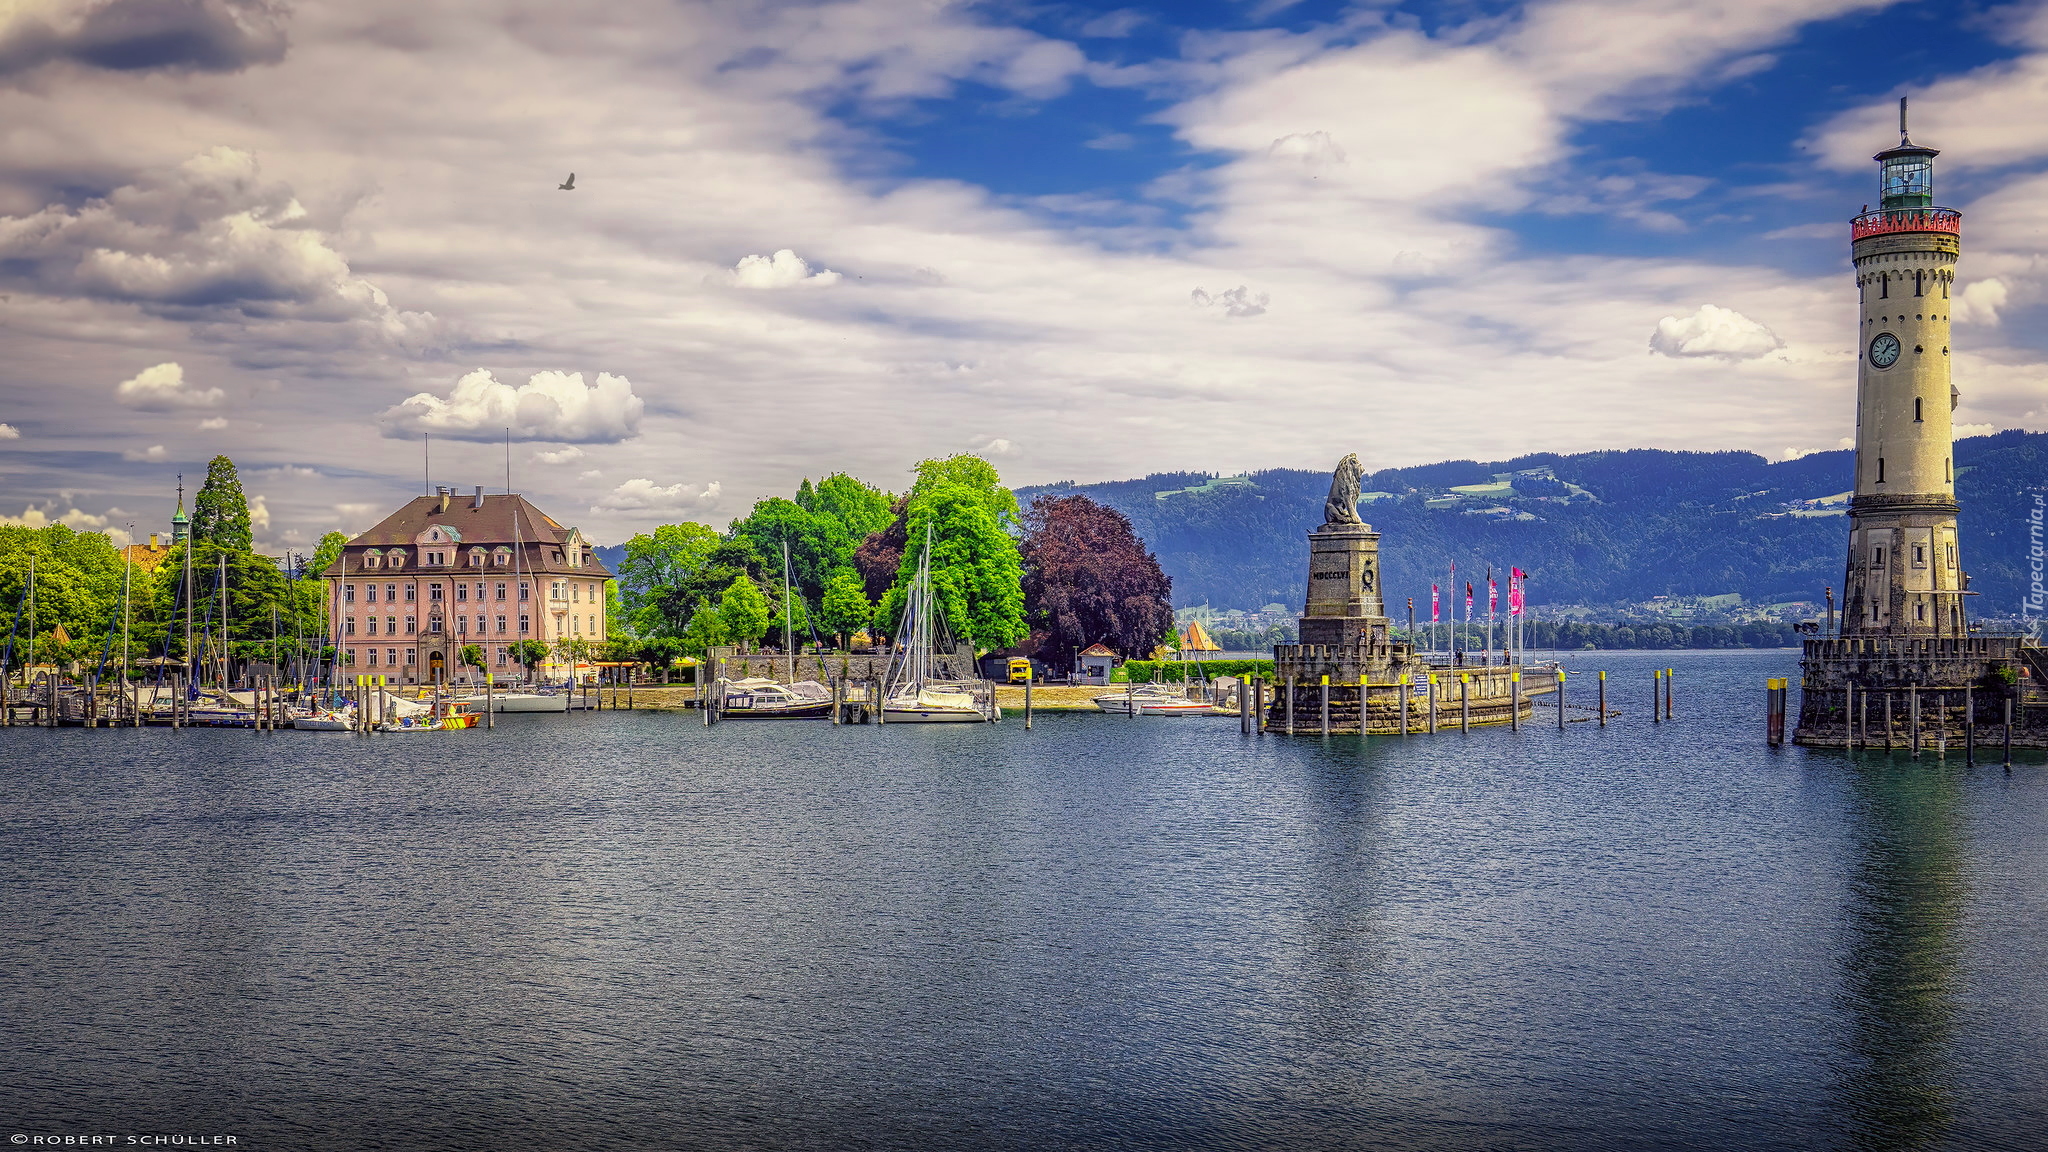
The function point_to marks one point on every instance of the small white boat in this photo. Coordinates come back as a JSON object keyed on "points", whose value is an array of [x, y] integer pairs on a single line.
{"points": [[760, 699], [1152, 702], [935, 703], [324, 720]]}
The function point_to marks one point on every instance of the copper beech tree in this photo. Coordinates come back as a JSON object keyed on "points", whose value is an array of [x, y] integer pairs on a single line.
{"points": [[1088, 579]]}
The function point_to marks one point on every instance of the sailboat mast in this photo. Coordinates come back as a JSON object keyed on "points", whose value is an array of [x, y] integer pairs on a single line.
{"points": [[31, 612], [127, 578], [221, 590], [788, 615]]}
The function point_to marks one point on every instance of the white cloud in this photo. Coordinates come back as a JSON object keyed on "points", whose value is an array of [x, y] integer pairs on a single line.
{"points": [[152, 454], [1238, 301], [558, 455], [354, 518], [9, 432], [33, 517], [643, 495], [1979, 302], [1714, 331], [213, 424], [993, 446], [785, 269], [1962, 430], [163, 388], [286, 471], [259, 514], [549, 406], [1309, 149]]}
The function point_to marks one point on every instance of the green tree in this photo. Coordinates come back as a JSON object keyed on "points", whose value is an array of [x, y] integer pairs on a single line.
{"points": [[472, 655], [846, 608], [859, 509], [728, 560], [743, 611], [972, 473], [529, 654], [799, 617], [657, 563], [814, 542], [220, 513], [977, 577], [326, 553], [705, 631]]}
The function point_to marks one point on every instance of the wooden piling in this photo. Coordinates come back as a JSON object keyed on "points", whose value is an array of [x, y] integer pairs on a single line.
{"points": [[1969, 725], [1774, 712], [1290, 705], [1560, 699], [1656, 696], [2008, 733], [1913, 719], [1887, 721], [1464, 702], [1670, 674], [1603, 699], [1431, 692], [1406, 683], [1326, 708], [1515, 701]]}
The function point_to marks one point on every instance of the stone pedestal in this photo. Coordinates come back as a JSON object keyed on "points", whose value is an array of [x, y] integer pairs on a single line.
{"points": [[1343, 604]]}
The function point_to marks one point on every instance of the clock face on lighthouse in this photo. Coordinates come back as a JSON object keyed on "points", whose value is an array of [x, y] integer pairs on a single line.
{"points": [[1884, 351]]}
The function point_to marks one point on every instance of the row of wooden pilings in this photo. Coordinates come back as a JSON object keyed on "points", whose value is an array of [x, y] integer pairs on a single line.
{"points": [[1252, 703], [1856, 718]]}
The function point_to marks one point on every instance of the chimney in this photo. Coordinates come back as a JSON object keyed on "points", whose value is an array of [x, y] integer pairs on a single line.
{"points": [[445, 492], [478, 503]]}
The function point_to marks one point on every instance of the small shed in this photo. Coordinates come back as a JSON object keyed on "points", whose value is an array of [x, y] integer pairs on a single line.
{"points": [[1092, 664]]}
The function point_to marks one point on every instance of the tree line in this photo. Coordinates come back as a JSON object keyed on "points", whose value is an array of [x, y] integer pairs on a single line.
{"points": [[1051, 579]]}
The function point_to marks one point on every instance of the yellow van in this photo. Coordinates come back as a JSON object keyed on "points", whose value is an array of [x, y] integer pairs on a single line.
{"points": [[1020, 669]]}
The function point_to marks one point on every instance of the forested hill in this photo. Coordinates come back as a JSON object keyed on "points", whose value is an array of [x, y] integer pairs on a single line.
{"points": [[1593, 528]]}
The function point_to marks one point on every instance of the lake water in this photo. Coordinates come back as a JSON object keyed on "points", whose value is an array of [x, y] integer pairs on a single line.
{"points": [[629, 931]]}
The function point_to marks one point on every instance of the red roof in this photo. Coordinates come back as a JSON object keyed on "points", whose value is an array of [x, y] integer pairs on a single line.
{"points": [[539, 538]]}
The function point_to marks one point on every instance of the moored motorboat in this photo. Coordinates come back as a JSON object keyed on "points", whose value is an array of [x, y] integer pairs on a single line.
{"points": [[761, 699], [1150, 701]]}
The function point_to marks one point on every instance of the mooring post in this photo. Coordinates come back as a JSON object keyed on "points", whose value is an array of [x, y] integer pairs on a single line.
{"points": [[1430, 690], [1913, 719], [1404, 682], [1656, 696], [1464, 702], [1244, 706], [1887, 721], [1028, 678], [1515, 701], [1863, 721], [2008, 734], [1670, 674], [1560, 699], [1969, 725], [1603, 699], [1290, 706], [1364, 684], [1326, 707], [1774, 712], [1849, 715]]}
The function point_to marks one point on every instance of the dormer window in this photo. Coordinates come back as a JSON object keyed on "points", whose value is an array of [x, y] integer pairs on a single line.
{"points": [[502, 557], [395, 558], [476, 557], [373, 559]]}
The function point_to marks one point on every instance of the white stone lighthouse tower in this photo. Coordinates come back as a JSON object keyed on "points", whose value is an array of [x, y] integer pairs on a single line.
{"points": [[1904, 575]]}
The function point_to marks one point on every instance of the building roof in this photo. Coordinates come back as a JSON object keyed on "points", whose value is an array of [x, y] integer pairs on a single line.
{"points": [[1097, 650], [538, 535], [146, 556]]}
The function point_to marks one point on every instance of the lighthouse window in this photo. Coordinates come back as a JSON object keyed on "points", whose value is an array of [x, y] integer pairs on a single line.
{"points": [[1877, 556], [1880, 469], [1920, 611], [1951, 555], [1919, 554], [1919, 284], [1916, 410], [1884, 286]]}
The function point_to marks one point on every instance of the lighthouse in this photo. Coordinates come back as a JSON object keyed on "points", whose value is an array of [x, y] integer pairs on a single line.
{"points": [[1904, 576]]}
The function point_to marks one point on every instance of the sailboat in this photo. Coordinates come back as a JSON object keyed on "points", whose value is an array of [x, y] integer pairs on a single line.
{"points": [[912, 696], [763, 699]]}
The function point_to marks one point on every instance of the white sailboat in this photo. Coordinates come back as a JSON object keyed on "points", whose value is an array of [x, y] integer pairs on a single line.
{"points": [[912, 696]]}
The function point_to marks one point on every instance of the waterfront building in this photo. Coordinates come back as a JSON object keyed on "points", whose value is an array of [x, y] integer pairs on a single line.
{"points": [[1904, 633], [441, 573]]}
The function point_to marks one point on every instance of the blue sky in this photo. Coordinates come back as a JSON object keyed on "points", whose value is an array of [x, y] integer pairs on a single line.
{"points": [[1086, 241]]}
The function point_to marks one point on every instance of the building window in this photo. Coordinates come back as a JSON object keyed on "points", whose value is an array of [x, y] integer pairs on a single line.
{"points": [[593, 628], [412, 625], [434, 624], [502, 557], [370, 593], [1880, 469], [371, 559], [348, 626], [1877, 556], [1920, 611], [575, 624], [391, 592], [576, 593], [502, 654], [461, 591], [1916, 410], [501, 625], [462, 625], [434, 592], [558, 592], [394, 559], [1884, 286], [373, 657], [348, 593], [525, 624], [412, 592], [412, 656], [1920, 555], [1951, 555], [371, 621], [525, 591], [391, 657], [391, 625], [501, 591]]}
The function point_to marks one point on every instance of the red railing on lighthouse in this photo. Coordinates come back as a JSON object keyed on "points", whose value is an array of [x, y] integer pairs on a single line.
{"points": [[1906, 220]]}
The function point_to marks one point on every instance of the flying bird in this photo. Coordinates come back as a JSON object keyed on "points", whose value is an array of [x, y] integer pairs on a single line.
{"points": [[568, 185]]}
